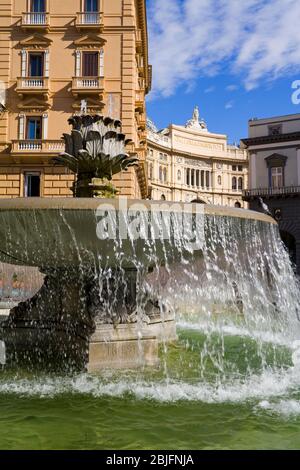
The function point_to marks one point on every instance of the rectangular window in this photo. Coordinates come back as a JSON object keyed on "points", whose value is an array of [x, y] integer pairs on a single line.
{"points": [[34, 128], [233, 167], [240, 168], [277, 177], [38, 6], [91, 6], [32, 187], [90, 64], [36, 65]]}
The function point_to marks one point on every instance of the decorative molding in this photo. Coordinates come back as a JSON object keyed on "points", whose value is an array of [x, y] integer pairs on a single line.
{"points": [[276, 160], [36, 41], [90, 40], [33, 105]]}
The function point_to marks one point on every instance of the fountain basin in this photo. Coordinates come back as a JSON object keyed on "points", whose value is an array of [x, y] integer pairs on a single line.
{"points": [[63, 232], [68, 316]]}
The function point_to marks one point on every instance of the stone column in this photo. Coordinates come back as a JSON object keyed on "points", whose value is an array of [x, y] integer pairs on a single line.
{"points": [[21, 126], [101, 63], [202, 179], [253, 179], [24, 62]]}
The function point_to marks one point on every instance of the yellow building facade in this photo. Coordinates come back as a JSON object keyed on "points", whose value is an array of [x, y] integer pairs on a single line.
{"points": [[54, 56], [187, 163]]}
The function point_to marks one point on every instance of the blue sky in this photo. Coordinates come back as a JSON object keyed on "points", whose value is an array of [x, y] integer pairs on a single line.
{"points": [[234, 59]]}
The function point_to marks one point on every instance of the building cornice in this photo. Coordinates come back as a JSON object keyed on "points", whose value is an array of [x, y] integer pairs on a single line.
{"points": [[197, 133], [142, 16], [271, 139], [181, 153]]}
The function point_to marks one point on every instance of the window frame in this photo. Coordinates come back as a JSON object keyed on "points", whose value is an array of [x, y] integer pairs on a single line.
{"points": [[34, 53], [277, 176], [30, 6], [83, 54], [84, 10], [28, 118], [26, 174]]}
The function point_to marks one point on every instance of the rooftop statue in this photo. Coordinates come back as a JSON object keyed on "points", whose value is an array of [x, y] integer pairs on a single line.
{"points": [[196, 122], [196, 114]]}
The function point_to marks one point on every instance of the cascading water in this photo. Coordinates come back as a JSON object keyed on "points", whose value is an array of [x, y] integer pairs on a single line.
{"points": [[236, 303]]}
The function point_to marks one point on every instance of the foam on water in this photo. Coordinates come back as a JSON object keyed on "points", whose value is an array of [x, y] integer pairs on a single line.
{"points": [[269, 384], [242, 285], [285, 408]]}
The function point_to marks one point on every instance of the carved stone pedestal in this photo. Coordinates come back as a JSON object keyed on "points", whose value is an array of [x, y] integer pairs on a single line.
{"points": [[81, 320]]}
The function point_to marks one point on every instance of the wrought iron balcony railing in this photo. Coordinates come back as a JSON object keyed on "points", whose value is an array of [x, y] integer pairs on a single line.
{"points": [[272, 192]]}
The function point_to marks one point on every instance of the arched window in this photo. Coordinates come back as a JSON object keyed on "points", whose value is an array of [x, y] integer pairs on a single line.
{"points": [[237, 205], [179, 175], [240, 184], [165, 175], [234, 183], [219, 180], [163, 197], [151, 171], [160, 174]]}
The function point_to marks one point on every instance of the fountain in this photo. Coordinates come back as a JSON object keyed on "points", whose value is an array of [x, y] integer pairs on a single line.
{"points": [[104, 302]]}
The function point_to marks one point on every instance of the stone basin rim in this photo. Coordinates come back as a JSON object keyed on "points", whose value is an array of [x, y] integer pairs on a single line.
{"points": [[23, 204]]}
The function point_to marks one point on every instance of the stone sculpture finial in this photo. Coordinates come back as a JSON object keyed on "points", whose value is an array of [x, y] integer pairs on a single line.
{"points": [[196, 114], [196, 122]]}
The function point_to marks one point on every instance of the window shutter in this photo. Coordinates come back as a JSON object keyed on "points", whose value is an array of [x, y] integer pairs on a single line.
{"points": [[90, 64]]}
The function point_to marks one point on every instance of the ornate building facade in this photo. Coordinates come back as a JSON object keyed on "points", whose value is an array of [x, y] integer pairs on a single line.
{"points": [[274, 148], [53, 56], [187, 163]]}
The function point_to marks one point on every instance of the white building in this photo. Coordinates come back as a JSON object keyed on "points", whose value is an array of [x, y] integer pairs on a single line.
{"points": [[187, 163]]}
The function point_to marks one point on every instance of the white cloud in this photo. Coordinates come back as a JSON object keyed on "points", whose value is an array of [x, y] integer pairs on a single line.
{"points": [[210, 89], [231, 88], [257, 39], [229, 105]]}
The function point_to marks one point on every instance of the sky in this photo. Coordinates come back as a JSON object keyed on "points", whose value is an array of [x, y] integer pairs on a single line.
{"points": [[235, 59]]}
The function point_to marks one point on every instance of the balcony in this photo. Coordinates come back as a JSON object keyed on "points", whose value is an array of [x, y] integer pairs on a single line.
{"points": [[139, 41], [35, 21], [33, 86], [89, 20], [140, 102], [87, 86], [37, 146], [288, 191]]}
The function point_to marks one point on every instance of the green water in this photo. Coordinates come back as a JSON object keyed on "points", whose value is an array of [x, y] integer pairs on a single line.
{"points": [[210, 392]]}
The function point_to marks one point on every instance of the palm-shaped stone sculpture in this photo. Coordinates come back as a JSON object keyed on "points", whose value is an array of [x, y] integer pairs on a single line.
{"points": [[95, 151]]}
